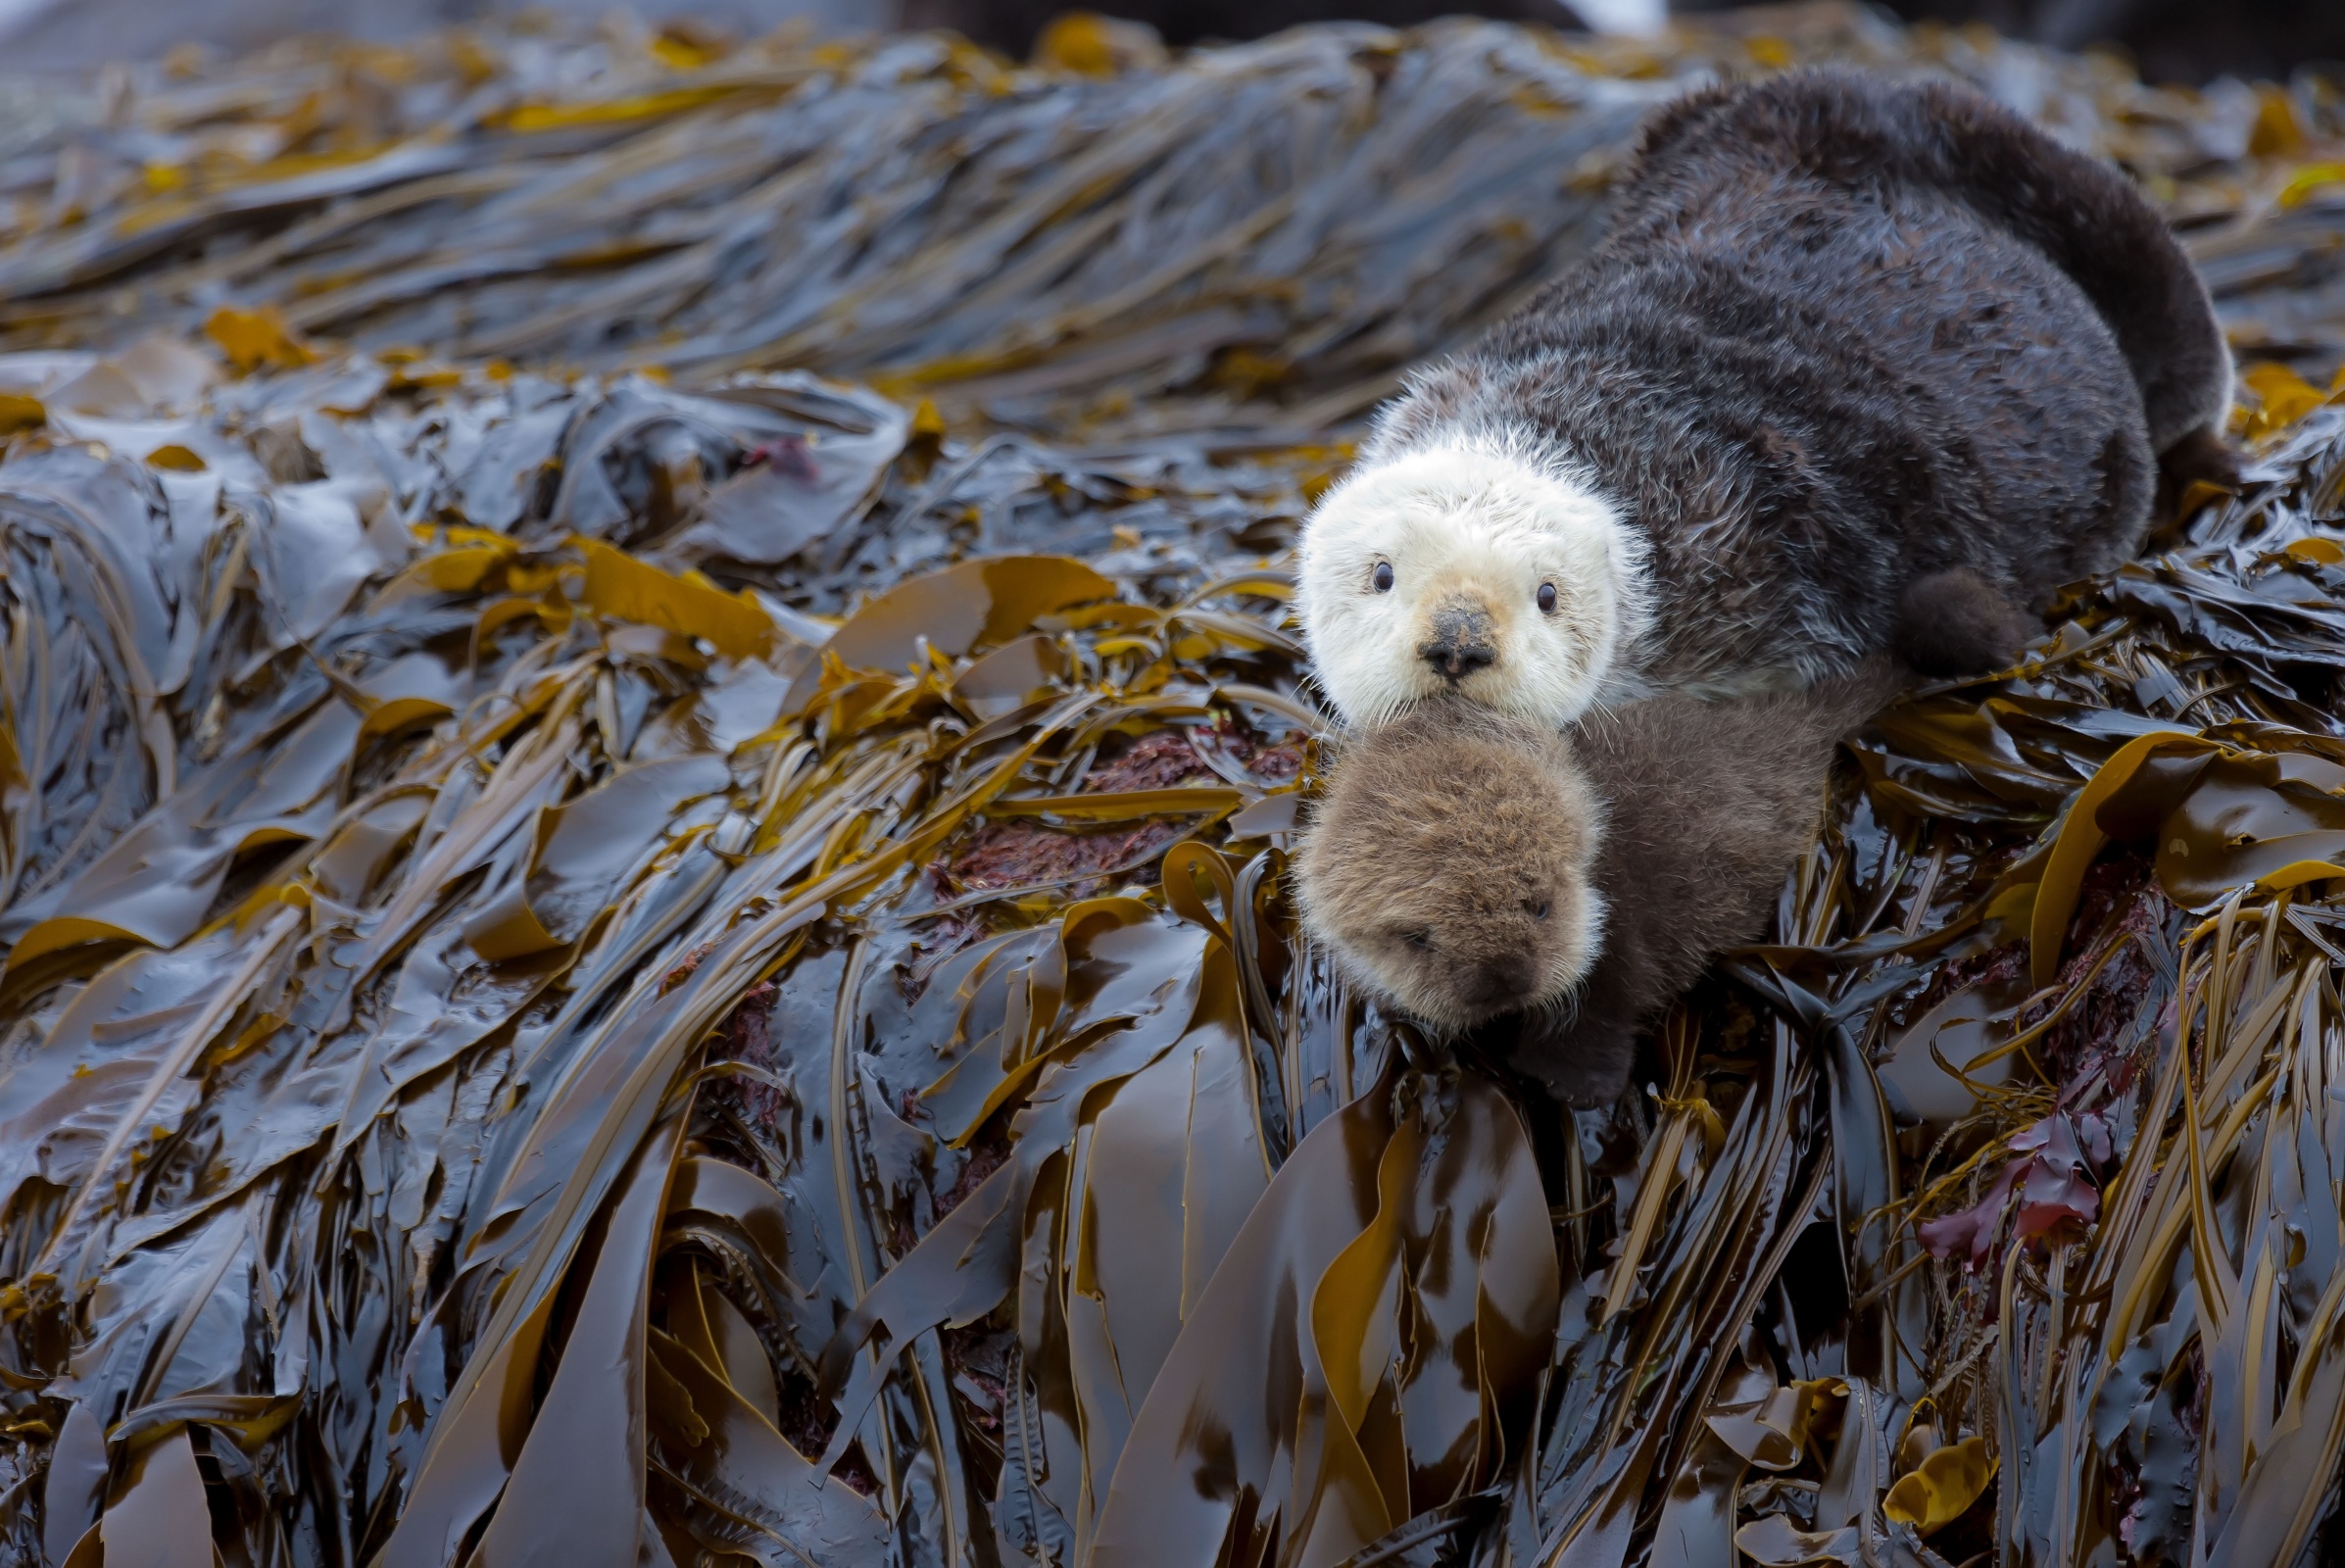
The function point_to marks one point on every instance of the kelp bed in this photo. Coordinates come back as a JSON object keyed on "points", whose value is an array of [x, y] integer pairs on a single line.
{"points": [[617, 954]]}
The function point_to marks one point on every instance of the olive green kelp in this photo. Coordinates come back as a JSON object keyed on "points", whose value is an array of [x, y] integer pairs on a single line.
{"points": [[630, 955]]}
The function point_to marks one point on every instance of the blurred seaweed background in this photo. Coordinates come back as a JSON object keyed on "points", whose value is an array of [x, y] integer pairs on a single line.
{"points": [[650, 744]]}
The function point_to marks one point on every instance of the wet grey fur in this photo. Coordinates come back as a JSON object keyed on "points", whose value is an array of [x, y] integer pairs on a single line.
{"points": [[1872, 366]]}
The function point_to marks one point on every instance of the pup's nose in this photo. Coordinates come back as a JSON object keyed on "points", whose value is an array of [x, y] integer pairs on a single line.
{"points": [[1502, 981], [1461, 643]]}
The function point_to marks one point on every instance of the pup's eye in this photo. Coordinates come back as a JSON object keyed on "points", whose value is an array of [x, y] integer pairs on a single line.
{"points": [[1546, 597], [1537, 908], [1382, 576], [1422, 941]]}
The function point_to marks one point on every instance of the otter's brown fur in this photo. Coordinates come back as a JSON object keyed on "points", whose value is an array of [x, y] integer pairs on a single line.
{"points": [[1448, 864], [1707, 807]]}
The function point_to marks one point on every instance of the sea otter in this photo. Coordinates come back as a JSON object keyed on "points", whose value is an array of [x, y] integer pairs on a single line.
{"points": [[1857, 366], [1466, 865]]}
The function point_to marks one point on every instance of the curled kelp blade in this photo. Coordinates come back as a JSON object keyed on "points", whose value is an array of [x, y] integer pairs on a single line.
{"points": [[1387, 1306]]}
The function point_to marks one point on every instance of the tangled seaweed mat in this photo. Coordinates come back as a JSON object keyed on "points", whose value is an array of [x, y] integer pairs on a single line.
{"points": [[1261, 236], [605, 974]]}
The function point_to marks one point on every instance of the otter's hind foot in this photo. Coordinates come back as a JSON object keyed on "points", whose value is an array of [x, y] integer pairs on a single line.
{"points": [[1956, 622], [2202, 457]]}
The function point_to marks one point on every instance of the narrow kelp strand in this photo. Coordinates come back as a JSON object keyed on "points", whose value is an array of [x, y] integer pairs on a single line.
{"points": [[275, 933]]}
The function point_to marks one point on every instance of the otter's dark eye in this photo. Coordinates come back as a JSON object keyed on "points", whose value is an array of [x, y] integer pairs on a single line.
{"points": [[1422, 941], [1382, 576], [1546, 597], [1538, 909]]}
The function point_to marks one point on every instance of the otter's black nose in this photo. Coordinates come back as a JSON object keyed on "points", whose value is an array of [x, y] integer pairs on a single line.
{"points": [[1461, 644]]}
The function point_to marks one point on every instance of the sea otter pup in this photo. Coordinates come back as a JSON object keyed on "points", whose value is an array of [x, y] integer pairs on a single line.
{"points": [[1857, 367], [1466, 865], [1450, 864]]}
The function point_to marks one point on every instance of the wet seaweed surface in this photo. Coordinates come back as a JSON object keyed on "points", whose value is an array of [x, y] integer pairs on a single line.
{"points": [[620, 949]]}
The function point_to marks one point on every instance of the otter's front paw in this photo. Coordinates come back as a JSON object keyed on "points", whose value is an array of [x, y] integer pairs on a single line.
{"points": [[1582, 1061]]}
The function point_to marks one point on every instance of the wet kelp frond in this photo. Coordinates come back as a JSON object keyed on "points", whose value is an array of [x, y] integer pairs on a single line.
{"points": [[1277, 230], [620, 967]]}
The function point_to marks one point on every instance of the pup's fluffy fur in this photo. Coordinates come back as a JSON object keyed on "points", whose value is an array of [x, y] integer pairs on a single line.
{"points": [[1449, 864], [1654, 837], [1856, 367]]}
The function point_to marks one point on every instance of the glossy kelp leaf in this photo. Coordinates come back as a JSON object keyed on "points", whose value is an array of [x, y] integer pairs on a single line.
{"points": [[2278, 1505], [155, 1090], [315, 545], [1770, 1425], [1698, 1518], [584, 848], [2081, 838], [575, 1493], [74, 1491], [713, 1444], [1249, 1482], [484, 1437], [1294, 1473], [717, 1205], [988, 1006], [1936, 1068], [59, 1107], [250, 1419], [1942, 1487], [1136, 990], [156, 1516], [1774, 1540], [612, 1101], [1167, 1165], [823, 452], [626, 589], [1011, 677], [159, 881], [479, 1432], [977, 603]]}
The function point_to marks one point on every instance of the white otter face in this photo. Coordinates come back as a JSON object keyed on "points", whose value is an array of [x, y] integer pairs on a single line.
{"points": [[1459, 568]]}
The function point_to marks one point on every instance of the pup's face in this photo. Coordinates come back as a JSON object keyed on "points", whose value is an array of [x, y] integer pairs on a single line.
{"points": [[1449, 865], [1454, 570]]}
